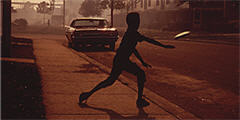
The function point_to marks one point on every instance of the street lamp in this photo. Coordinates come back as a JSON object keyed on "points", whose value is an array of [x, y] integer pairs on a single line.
{"points": [[63, 13]]}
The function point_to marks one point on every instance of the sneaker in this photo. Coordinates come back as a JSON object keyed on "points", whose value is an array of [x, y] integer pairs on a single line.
{"points": [[142, 103]]}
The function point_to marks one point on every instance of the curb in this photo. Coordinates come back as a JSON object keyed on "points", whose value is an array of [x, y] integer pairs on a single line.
{"points": [[161, 102], [202, 41], [197, 38], [210, 41]]}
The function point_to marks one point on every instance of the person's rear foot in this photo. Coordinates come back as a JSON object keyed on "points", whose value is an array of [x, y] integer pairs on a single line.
{"points": [[142, 103]]}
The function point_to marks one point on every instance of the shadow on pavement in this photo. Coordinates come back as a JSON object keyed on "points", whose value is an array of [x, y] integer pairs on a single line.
{"points": [[92, 49], [21, 83], [114, 115]]}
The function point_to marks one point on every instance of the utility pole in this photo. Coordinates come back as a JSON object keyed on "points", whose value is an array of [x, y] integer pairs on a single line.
{"points": [[64, 12], [127, 7], [224, 9], [6, 27], [112, 7]]}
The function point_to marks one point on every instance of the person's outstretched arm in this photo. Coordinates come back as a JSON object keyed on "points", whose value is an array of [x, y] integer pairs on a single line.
{"points": [[154, 42], [140, 58]]}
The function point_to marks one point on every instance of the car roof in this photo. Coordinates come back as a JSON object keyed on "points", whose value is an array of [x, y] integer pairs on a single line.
{"points": [[90, 18]]}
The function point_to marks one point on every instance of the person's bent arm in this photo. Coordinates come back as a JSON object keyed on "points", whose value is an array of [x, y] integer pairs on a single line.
{"points": [[154, 42], [140, 58]]}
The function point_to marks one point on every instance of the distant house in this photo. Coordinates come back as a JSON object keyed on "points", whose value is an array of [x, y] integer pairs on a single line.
{"points": [[157, 14], [144, 5], [203, 15], [209, 15], [55, 18]]}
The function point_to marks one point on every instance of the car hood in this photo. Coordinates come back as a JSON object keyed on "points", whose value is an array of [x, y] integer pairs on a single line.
{"points": [[96, 29]]}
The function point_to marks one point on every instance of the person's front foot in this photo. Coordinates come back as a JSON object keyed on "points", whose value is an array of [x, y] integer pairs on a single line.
{"points": [[83, 97], [142, 103]]}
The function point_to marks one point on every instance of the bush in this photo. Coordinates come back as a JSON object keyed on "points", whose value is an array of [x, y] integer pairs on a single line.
{"points": [[20, 23]]}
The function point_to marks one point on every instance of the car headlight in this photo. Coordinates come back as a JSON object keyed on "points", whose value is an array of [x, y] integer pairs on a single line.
{"points": [[76, 34], [113, 33], [73, 36]]}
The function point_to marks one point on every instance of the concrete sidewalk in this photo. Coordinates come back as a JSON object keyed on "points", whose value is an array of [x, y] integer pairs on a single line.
{"points": [[65, 74]]}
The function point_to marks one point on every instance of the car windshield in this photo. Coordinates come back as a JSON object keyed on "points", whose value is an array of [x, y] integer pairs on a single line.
{"points": [[90, 23]]}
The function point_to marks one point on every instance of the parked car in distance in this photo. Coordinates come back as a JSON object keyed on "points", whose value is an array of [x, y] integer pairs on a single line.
{"points": [[91, 31]]}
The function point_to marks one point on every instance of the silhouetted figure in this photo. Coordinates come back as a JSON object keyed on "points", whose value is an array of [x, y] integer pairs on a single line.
{"points": [[121, 60]]}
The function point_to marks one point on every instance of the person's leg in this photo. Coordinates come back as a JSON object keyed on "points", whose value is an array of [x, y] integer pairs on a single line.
{"points": [[134, 69], [141, 80], [108, 82], [116, 71]]}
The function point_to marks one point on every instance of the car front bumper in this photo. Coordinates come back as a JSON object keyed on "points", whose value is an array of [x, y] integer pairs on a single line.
{"points": [[94, 40]]}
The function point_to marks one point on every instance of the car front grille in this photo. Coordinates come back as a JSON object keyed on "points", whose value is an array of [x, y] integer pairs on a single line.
{"points": [[94, 34]]}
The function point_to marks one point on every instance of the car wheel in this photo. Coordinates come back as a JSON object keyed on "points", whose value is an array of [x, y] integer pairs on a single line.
{"points": [[112, 46], [74, 45], [69, 45]]}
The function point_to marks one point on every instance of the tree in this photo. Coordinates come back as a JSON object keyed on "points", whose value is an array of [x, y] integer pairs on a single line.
{"points": [[20, 23], [52, 5], [97, 6], [27, 5], [180, 2], [113, 4], [90, 8], [13, 10], [118, 4], [44, 8], [131, 4]]}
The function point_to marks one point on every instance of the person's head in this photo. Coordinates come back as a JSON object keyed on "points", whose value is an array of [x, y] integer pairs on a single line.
{"points": [[133, 20]]}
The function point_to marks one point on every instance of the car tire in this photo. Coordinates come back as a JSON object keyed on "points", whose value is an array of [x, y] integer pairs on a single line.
{"points": [[112, 46], [75, 46], [70, 45]]}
